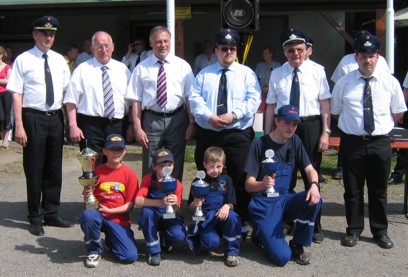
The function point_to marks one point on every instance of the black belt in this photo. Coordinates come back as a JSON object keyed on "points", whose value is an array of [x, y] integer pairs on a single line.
{"points": [[100, 118], [309, 118], [48, 113], [365, 137], [179, 109]]}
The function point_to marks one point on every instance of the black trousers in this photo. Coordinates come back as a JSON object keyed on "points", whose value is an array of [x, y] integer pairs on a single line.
{"points": [[366, 161], [42, 161], [95, 130], [236, 144], [309, 132], [6, 100]]}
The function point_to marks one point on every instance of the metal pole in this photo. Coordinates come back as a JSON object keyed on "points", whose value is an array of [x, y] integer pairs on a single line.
{"points": [[389, 35], [171, 22]]}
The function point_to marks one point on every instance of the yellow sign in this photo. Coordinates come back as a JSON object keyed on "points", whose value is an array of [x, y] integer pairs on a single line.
{"points": [[183, 12]]}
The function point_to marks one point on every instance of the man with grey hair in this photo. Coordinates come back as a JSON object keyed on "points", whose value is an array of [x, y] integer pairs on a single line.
{"points": [[159, 88]]}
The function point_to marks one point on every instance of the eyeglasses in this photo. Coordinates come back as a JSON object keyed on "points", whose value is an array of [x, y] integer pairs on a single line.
{"points": [[137, 44], [293, 50], [231, 49], [100, 47]]}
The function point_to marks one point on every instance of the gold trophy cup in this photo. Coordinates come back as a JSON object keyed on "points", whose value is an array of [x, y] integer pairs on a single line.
{"points": [[87, 158]]}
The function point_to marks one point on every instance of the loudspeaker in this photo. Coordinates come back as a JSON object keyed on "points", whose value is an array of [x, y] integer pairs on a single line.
{"points": [[241, 15]]}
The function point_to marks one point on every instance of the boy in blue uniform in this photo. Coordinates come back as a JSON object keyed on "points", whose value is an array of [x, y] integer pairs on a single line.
{"points": [[268, 213], [115, 191], [218, 208], [153, 202]]}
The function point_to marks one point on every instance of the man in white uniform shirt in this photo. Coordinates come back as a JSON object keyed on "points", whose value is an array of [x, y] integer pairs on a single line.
{"points": [[85, 99], [368, 102], [38, 81], [135, 54]]}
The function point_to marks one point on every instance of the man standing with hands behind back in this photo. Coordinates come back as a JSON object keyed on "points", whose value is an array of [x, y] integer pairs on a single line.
{"points": [[38, 81], [368, 102], [224, 98], [159, 89]]}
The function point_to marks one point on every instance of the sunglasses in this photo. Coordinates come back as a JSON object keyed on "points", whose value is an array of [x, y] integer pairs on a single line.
{"points": [[231, 49]]}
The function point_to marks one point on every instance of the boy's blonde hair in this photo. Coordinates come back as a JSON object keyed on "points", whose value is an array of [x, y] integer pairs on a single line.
{"points": [[214, 154]]}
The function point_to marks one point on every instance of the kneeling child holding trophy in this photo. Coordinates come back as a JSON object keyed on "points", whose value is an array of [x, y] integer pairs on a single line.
{"points": [[160, 197], [115, 191], [216, 218]]}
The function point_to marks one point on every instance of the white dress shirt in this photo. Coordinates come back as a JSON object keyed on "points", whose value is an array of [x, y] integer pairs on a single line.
{"points": [[143, 83], [86, 92], [347, 101], [28, 78], [131, 61], [313, 87]]}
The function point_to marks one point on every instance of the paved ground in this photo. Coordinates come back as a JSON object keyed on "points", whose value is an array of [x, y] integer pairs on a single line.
{"points": [[61, 251]]}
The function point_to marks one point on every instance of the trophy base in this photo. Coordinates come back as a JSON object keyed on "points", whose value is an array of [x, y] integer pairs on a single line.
{"points": [[198, 218], [169, 216], [272, 194], [91, 206]]}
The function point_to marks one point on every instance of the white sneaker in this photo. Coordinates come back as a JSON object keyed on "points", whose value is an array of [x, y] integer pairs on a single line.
{"points": [[232, 261], [92, 260]]}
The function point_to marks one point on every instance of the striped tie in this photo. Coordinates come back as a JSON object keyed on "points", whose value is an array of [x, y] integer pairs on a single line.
{"points": [[161, 86], [369, 126], [107, 94]]}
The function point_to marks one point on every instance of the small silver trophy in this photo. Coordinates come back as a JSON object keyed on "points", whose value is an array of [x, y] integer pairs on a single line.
{"points": [[87, 157], [270, 167], [200, 189], [168, 185]]}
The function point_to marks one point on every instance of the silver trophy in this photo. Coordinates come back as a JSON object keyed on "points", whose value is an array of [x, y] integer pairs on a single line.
{"points": [[270, 166], [87, 157], [168, 185], [200, 189]]}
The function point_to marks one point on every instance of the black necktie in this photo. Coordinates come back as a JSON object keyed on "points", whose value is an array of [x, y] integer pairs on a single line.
{"points": [[222, 94], [368, 107], [295, 90], [138, 59], [48, 83]]}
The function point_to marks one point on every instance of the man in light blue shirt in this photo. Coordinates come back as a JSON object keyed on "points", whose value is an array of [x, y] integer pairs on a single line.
{"points": [[224, 111]]}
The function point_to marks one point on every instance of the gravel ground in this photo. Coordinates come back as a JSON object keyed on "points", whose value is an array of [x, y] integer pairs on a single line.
{"points": [[61, 251]]}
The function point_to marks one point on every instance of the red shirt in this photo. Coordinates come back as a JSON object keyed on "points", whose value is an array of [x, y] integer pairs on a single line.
{"points": [[146, 183], [115, 188]]}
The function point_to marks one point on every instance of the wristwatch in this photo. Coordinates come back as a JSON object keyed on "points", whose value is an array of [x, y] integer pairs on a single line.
{"points": [[327, 130], [234, 117]]}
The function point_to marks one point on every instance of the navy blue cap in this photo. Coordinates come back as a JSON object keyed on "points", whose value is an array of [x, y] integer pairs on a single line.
{"points": [[162, 155], [292, 35], [309, 40], [288, 113], [114, 140], [366, 43], [46, 23], [227, 36]]}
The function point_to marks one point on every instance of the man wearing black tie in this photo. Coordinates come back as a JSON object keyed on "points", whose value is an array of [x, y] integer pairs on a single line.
{"points": [[368, 102], [135, 54], [38, 80]]}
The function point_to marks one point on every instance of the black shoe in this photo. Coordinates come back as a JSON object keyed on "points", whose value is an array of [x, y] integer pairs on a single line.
{"points": [[394, 181], [383, 242], [318, 237], [299, 254], [350, 240], [255, 241], [287, 228], [36, 229], [338, 175], [58, 222], [321, 179]]}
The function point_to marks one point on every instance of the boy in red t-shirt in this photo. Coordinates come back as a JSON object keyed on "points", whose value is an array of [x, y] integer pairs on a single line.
{"points": [[153, 202], [115, 191]]}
